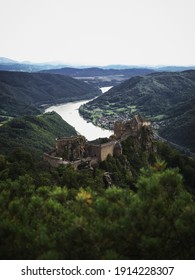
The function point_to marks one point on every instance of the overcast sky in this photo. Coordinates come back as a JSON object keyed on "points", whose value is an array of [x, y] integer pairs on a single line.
{"points": [[99, 32]]}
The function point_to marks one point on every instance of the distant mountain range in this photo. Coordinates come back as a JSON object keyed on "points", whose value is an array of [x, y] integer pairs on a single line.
{"points": [[22, 93], [168, 98], [96, 71], [174, 68], [7, 64], [5, 60], [100, 77]]}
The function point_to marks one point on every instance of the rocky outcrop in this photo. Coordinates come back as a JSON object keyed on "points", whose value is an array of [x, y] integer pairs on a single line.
{"points": [[138, 132]]}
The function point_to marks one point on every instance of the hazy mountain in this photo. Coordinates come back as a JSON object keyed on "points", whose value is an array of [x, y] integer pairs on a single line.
{"points": [[99, 76], [7, 64], [5, 60], [96, 71], [26, 67], [167, 98], [120, 66], [22, 93], [174, 68]]}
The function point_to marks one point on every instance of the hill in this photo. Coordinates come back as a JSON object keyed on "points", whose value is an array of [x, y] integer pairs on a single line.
{"points": [[174, 68], [6, 61], [35, 134], [61, 213], [167, 98], [101, 76], [21, 93], [96, 71], [180, 125]]}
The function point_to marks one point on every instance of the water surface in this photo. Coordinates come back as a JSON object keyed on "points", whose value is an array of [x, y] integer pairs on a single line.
{"points": [[69, 112]]}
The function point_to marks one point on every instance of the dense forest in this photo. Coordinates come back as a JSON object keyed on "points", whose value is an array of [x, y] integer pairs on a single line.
{"points": [[62, 213]]}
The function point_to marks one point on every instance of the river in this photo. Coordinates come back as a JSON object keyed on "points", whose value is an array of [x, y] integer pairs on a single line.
{"points": [[70, 113]]}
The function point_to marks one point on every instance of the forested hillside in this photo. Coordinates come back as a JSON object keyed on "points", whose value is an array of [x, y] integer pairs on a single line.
{"points": [[35, 134], [21, 93], [61, 213], [168, 99]]}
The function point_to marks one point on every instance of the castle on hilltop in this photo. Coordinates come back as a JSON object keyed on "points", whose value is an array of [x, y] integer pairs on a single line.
{"points": [[123, 130], [78, 152]]}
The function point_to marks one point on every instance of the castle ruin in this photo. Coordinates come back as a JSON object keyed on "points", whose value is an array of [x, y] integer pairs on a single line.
{"points": [[77, 151], [123, 130]]}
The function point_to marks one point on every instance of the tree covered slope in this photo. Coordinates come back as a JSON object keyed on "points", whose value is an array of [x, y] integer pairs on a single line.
{"points": [[21, 93], [167, 98], [152, 94], [33, 133], [62, 213]]}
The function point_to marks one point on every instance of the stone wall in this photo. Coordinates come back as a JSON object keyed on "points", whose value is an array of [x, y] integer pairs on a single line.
{"points": [[100, 151], [71, 148], [93, 150], [107, 149], [54, 161]]}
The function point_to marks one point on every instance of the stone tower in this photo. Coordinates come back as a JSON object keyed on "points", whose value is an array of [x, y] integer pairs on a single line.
{"points": [[71, 148], [118, 129], [128, 128]]}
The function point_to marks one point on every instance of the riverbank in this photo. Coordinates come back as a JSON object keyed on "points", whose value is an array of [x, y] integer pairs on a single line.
{"points": [[70, 113]]}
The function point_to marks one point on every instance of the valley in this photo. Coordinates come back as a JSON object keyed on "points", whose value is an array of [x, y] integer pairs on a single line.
{"points": [[167, 99], [70, 113], [23, 93], [62, 195]]}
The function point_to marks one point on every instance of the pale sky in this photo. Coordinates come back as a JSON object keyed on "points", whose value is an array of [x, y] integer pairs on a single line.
{"points": [[99, 32]]}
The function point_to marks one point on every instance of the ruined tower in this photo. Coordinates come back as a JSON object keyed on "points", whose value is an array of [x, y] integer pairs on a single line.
{"points": [[71, 148], [128, 128]]}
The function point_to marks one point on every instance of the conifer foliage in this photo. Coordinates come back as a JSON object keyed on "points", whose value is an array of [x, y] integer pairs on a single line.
{"points": [[62, 213]]}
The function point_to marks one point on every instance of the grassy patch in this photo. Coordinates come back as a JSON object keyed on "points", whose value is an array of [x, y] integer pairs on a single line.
{"points": [[121, 110], [159, 117], [132, 108]]}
